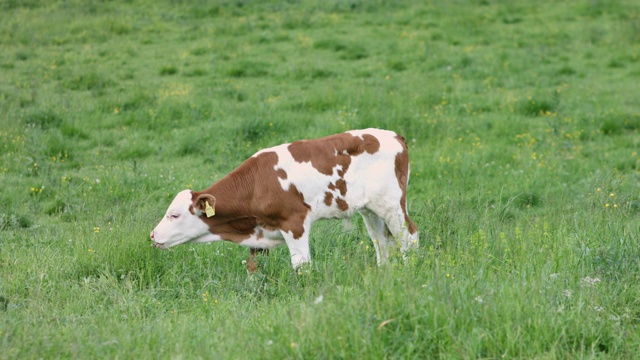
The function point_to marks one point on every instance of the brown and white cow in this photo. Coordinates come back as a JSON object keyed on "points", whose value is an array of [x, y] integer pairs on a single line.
{"points": [[275, 196]]}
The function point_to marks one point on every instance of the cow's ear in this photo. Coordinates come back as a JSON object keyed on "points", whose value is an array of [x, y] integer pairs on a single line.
{"points": [[205, 204]]}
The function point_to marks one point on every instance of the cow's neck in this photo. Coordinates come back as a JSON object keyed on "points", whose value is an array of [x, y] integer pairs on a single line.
{"points": [[233, 193]]}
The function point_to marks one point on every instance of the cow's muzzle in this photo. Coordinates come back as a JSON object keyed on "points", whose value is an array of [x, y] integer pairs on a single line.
{"points": [[156, 244]]}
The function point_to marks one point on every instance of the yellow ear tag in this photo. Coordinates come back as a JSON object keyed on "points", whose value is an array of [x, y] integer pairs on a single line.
{"points": [[209, 210]]}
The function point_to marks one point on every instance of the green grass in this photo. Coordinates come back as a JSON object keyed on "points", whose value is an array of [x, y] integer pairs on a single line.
{"points": [[523, 124]]}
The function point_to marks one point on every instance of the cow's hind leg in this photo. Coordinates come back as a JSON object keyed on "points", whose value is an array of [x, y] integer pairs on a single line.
{"points": [[379, 234], [403, 229]]}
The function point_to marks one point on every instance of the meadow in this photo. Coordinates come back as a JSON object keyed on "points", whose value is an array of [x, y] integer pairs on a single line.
{"points": [[523, 125]]}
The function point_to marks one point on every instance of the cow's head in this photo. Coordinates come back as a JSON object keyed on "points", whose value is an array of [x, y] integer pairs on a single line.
{"points": [[183, 221]]}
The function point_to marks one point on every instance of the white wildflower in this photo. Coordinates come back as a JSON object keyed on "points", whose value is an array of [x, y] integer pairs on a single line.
{"points": [[589, 281]]}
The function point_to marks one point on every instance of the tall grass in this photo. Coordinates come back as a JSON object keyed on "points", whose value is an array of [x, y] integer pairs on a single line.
{"points": [[522, 124]]}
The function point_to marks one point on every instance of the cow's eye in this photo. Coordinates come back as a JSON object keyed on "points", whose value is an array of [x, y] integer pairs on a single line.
{"points": [[174, 216]]}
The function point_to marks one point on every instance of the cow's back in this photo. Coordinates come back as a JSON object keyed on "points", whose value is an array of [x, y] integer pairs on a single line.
{"points": [[340, 174]]}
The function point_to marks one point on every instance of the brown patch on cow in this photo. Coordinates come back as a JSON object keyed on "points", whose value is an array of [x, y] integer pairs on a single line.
{"points": [[328, 198], [342, 205], [371, 143], [402, 174], [341, 185], [282, 174], [251, 195], [232, 229], [326, 153]]}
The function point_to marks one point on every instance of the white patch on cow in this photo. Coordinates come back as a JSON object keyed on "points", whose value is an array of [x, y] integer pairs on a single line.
{"points": [[387, 192], [208, 237], [372, 177], [263, 239], [310, 182], [179, 225], [299, 247]]}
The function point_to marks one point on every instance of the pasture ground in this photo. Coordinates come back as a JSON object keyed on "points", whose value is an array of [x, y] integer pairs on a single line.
{"points": [[523, 122]]}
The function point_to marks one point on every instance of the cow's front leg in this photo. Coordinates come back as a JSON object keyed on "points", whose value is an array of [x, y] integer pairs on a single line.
{"points": [[251, 265], [298, 246]]}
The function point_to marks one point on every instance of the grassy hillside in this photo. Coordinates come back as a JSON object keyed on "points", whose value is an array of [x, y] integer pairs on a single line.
{"points": [[522, 119]]}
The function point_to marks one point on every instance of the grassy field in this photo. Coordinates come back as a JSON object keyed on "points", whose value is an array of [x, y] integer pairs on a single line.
{"points": [[523, 124]]}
